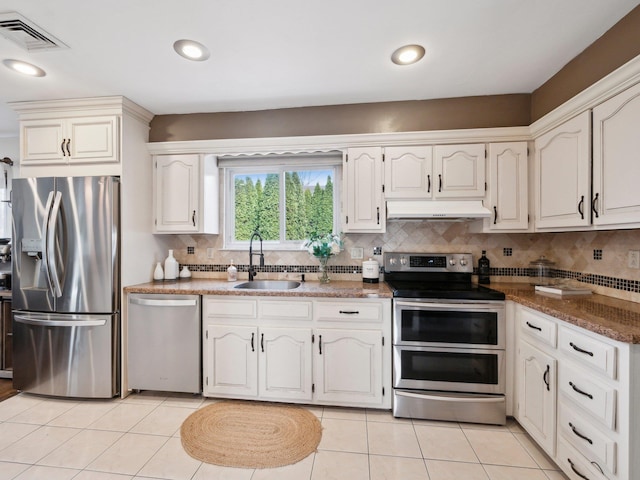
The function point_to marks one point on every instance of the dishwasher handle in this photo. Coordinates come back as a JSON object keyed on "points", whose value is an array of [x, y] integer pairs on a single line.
{"points": [[150, 302]]}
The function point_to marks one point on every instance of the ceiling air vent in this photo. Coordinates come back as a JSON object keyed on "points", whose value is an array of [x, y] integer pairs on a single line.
{"points": [[27, 34]]}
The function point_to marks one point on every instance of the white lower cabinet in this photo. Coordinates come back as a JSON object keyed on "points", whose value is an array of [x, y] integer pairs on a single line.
{"points": [[348, 366], [537, 395], [593, 421], [323, 351]]}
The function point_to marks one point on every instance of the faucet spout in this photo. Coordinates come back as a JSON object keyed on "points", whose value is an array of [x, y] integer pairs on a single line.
{"points": [[252, 269]]}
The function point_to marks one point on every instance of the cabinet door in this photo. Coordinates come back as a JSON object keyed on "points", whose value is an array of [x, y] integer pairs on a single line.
{"points": [[508, 198], [231, 361], [177, 193], [93, 139], [407, 172], [562, 175], [616, 162], [285, 363], [348, 366], [42, 142], [537, 395], [459, 171], [364, 203]]}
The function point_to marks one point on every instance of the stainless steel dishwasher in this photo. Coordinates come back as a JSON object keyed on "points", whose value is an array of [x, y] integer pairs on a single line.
{"points": [[164, 347]]}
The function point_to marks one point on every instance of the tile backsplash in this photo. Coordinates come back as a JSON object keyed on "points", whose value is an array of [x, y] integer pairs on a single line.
{"points": [[510, 253]]}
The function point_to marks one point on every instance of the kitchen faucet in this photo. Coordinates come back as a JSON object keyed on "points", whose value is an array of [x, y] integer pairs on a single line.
{"points": [[252, 270]]}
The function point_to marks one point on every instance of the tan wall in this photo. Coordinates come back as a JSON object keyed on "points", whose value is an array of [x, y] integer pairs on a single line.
{"points": [[617, 46], [411, 116]]}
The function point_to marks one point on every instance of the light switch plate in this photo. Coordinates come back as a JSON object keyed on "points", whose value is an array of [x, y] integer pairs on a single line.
{"points": [[357, 253], [209, 252]]}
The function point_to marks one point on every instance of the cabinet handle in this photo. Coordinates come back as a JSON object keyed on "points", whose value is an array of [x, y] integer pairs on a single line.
{"points": [[349, 312], [534, 327], [428, 183], [545, 377], [262, 342], [581, 392], [594, 204], [68, 149], [252, 347], [573, 467], [378, 215], [62, 148], [193, 218], [578, 434], [578, 349], [581, 207], [495, 214], [439, 182], [320, 344]]}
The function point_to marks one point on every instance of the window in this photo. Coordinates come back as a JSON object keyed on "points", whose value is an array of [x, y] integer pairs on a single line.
{"points": [[284, 203]]}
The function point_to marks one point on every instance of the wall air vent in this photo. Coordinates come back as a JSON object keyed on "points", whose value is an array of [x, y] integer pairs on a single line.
{"points": [[27, 34]]}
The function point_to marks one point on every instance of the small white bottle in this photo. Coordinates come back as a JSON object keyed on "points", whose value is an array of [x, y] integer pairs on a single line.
{"points": [[232, 273], [185, 272], [158, 273], [170, 267]]}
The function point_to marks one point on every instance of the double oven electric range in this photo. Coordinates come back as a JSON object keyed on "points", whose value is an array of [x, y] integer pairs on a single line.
{"points": [[448, 340]]}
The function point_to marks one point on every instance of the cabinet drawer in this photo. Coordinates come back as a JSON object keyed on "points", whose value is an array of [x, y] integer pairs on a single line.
{"points": [[579, 431], [597, 398], [574, 464], [595, 354], [283, 310], [230, 308], [352, 311], [539, 327]]}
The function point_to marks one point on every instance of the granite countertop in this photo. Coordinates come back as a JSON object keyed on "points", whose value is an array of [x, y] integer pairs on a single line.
{"points": [[611, 317], [338, 289]]}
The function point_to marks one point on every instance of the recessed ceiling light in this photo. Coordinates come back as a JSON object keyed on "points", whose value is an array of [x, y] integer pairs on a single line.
{"points": [[407, 55], [191, 50], [24, 68]]}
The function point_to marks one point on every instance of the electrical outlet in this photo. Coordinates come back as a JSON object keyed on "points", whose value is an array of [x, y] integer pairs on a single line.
{"points": [[633, 260], [357, 253], [209, 252]]}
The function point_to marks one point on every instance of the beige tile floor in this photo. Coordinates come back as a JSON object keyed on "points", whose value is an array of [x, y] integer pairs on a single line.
{"points": [[138, 437]]}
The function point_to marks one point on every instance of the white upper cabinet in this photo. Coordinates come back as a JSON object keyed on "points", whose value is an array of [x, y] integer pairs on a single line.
{"points": [[186, 194], [616, 160], [459, 171], [61, 141], [363, 208], [562, 175], [508, 193], [408, 172]]}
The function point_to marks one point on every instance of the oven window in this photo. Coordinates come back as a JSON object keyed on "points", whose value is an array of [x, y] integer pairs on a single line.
{"points": [[460, 327], [450, 367]]}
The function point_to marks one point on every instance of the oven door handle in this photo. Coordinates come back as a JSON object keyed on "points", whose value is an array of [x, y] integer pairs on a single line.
{"points": [[496, 399], [474, 306]]}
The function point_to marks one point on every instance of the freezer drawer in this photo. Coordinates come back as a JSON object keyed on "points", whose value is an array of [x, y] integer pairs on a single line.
{"points": [[68, 355], [164, 347]]}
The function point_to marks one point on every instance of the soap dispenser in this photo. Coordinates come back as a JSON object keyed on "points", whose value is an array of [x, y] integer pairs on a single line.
{"points": [[232, 273]]}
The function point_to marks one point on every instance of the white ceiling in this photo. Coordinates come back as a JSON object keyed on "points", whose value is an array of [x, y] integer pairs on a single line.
{"points": [[290, 53]]}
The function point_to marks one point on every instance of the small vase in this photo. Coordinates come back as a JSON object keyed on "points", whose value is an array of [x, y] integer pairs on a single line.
{"points": [[323, 274]]}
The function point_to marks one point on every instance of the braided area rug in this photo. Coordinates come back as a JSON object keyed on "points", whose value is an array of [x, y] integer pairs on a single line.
{"points": [[250, 434]]}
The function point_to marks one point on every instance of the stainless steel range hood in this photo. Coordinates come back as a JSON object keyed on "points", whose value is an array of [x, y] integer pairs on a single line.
{"points": [[436, 209]]}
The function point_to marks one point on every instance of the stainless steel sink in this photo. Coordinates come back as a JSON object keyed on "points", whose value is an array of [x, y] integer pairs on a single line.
{"points": [[269, 285]]}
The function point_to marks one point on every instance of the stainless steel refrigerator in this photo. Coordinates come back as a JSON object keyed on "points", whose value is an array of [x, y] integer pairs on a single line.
{"points": [[66, 286]]}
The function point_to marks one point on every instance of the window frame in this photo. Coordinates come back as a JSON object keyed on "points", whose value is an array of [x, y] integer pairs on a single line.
{"points": [[265, 167]]}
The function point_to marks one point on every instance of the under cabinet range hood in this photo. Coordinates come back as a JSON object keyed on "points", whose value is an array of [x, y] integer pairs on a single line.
{"points": [[436, 210]]}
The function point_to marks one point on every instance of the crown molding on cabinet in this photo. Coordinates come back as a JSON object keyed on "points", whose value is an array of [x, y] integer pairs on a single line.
{"points": [[609, 86], [113, 105]]}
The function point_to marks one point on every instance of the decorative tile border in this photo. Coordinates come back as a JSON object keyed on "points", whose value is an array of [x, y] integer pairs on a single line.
{"points": [[589, 278]]}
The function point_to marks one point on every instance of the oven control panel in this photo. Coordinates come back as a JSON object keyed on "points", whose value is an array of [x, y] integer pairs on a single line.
{"points": [[428, 262]]}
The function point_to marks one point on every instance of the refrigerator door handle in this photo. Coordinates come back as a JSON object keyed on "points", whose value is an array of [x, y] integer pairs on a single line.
{"points": [[51, 251], [29, 320], [45, 235]]}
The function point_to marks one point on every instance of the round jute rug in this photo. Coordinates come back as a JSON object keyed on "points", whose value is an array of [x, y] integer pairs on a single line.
{"points": [[250, 434]]}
